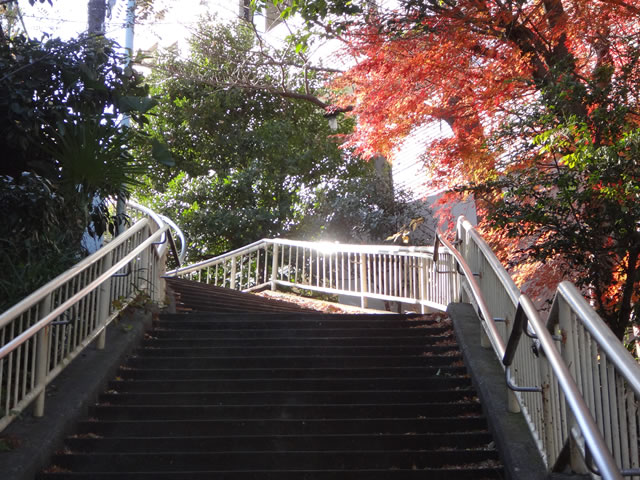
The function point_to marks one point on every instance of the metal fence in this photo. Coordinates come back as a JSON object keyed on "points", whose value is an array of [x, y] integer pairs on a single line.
{"points": [[576, 384], [407, 275], [40, 335]]}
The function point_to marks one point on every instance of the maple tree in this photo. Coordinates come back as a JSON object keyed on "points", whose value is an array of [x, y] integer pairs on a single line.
{"points": [[542, 100]]}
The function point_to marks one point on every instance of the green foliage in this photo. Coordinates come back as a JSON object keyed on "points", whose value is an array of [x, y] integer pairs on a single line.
{"points": [[47, 90], [579, 201], [39, 235], [63, 144], [358, 206], [252, 163]]}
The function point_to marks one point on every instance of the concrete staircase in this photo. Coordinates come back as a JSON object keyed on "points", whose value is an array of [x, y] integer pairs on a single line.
{"points": [[286, 395]]}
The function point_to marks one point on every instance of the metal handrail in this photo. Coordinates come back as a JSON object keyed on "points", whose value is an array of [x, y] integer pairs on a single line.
{"points": [[183, 243], [326, 246], [340, 269], [625, 364], [160, 221], [46, 320], [497, 267], [526, 314], [590, 431], [48, 288], [88, 291], [494, 336], [233, 253]]}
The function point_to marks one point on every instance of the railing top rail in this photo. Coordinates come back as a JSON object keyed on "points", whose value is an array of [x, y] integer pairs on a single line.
{"points": [[615, 351], [330, 247], [160, 221], [590, 431], [43, 322], [494, 335], [150, 213], [324, 247], [183, 242], [232, 253], [85, 263], [504, 277]]}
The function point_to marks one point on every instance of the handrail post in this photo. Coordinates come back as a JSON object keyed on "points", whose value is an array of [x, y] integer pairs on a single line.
{"points": [[232, 280], [104, 299], [159, 265], [146, 271], [422, 283], [274, 268], [363, 280], [456, 284], [42, 357], [569, 351]]}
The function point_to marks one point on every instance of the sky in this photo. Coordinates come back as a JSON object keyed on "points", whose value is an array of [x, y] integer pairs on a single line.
{"points": [[68, 18]]}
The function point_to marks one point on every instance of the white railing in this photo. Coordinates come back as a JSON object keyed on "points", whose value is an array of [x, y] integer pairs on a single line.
{"points": [[576, 384], [395, 274], [41, 334]]}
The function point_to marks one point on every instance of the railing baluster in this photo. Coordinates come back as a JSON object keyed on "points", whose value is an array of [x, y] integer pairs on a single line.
{"points": [[10, 371], [304, 265], [274, 267], [364, 275]]}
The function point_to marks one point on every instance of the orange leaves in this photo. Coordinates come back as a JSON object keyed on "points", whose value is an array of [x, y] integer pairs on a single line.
{"points": [[468, 65]]}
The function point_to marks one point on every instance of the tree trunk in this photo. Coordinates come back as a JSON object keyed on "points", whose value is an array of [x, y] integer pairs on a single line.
{"points": [[97, 12]]}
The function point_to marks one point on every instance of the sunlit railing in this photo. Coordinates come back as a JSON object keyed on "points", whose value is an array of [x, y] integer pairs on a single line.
{"points": [[576, 384], [395, 274], [41, 334]]}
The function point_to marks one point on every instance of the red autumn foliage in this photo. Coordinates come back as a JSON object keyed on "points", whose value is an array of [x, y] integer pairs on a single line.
{"points": [[467, 63], [470, 63]]}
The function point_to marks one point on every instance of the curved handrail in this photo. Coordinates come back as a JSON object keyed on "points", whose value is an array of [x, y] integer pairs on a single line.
{"points": [[160, 221], [493, 334], [178, 231], [505, 279]]}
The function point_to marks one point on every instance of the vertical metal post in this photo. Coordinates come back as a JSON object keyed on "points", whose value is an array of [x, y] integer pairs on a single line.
{"points": [[232, 280], [569, 353], [160, 268], [547, 409], [363, 280], [146, 271], [42, 357], [513, 406], [274, 268], [422, 283], [454, 280], [104, 299]]}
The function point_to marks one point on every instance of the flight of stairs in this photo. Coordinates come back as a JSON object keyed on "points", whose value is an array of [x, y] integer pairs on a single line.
{"points": [[287, 396]]}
